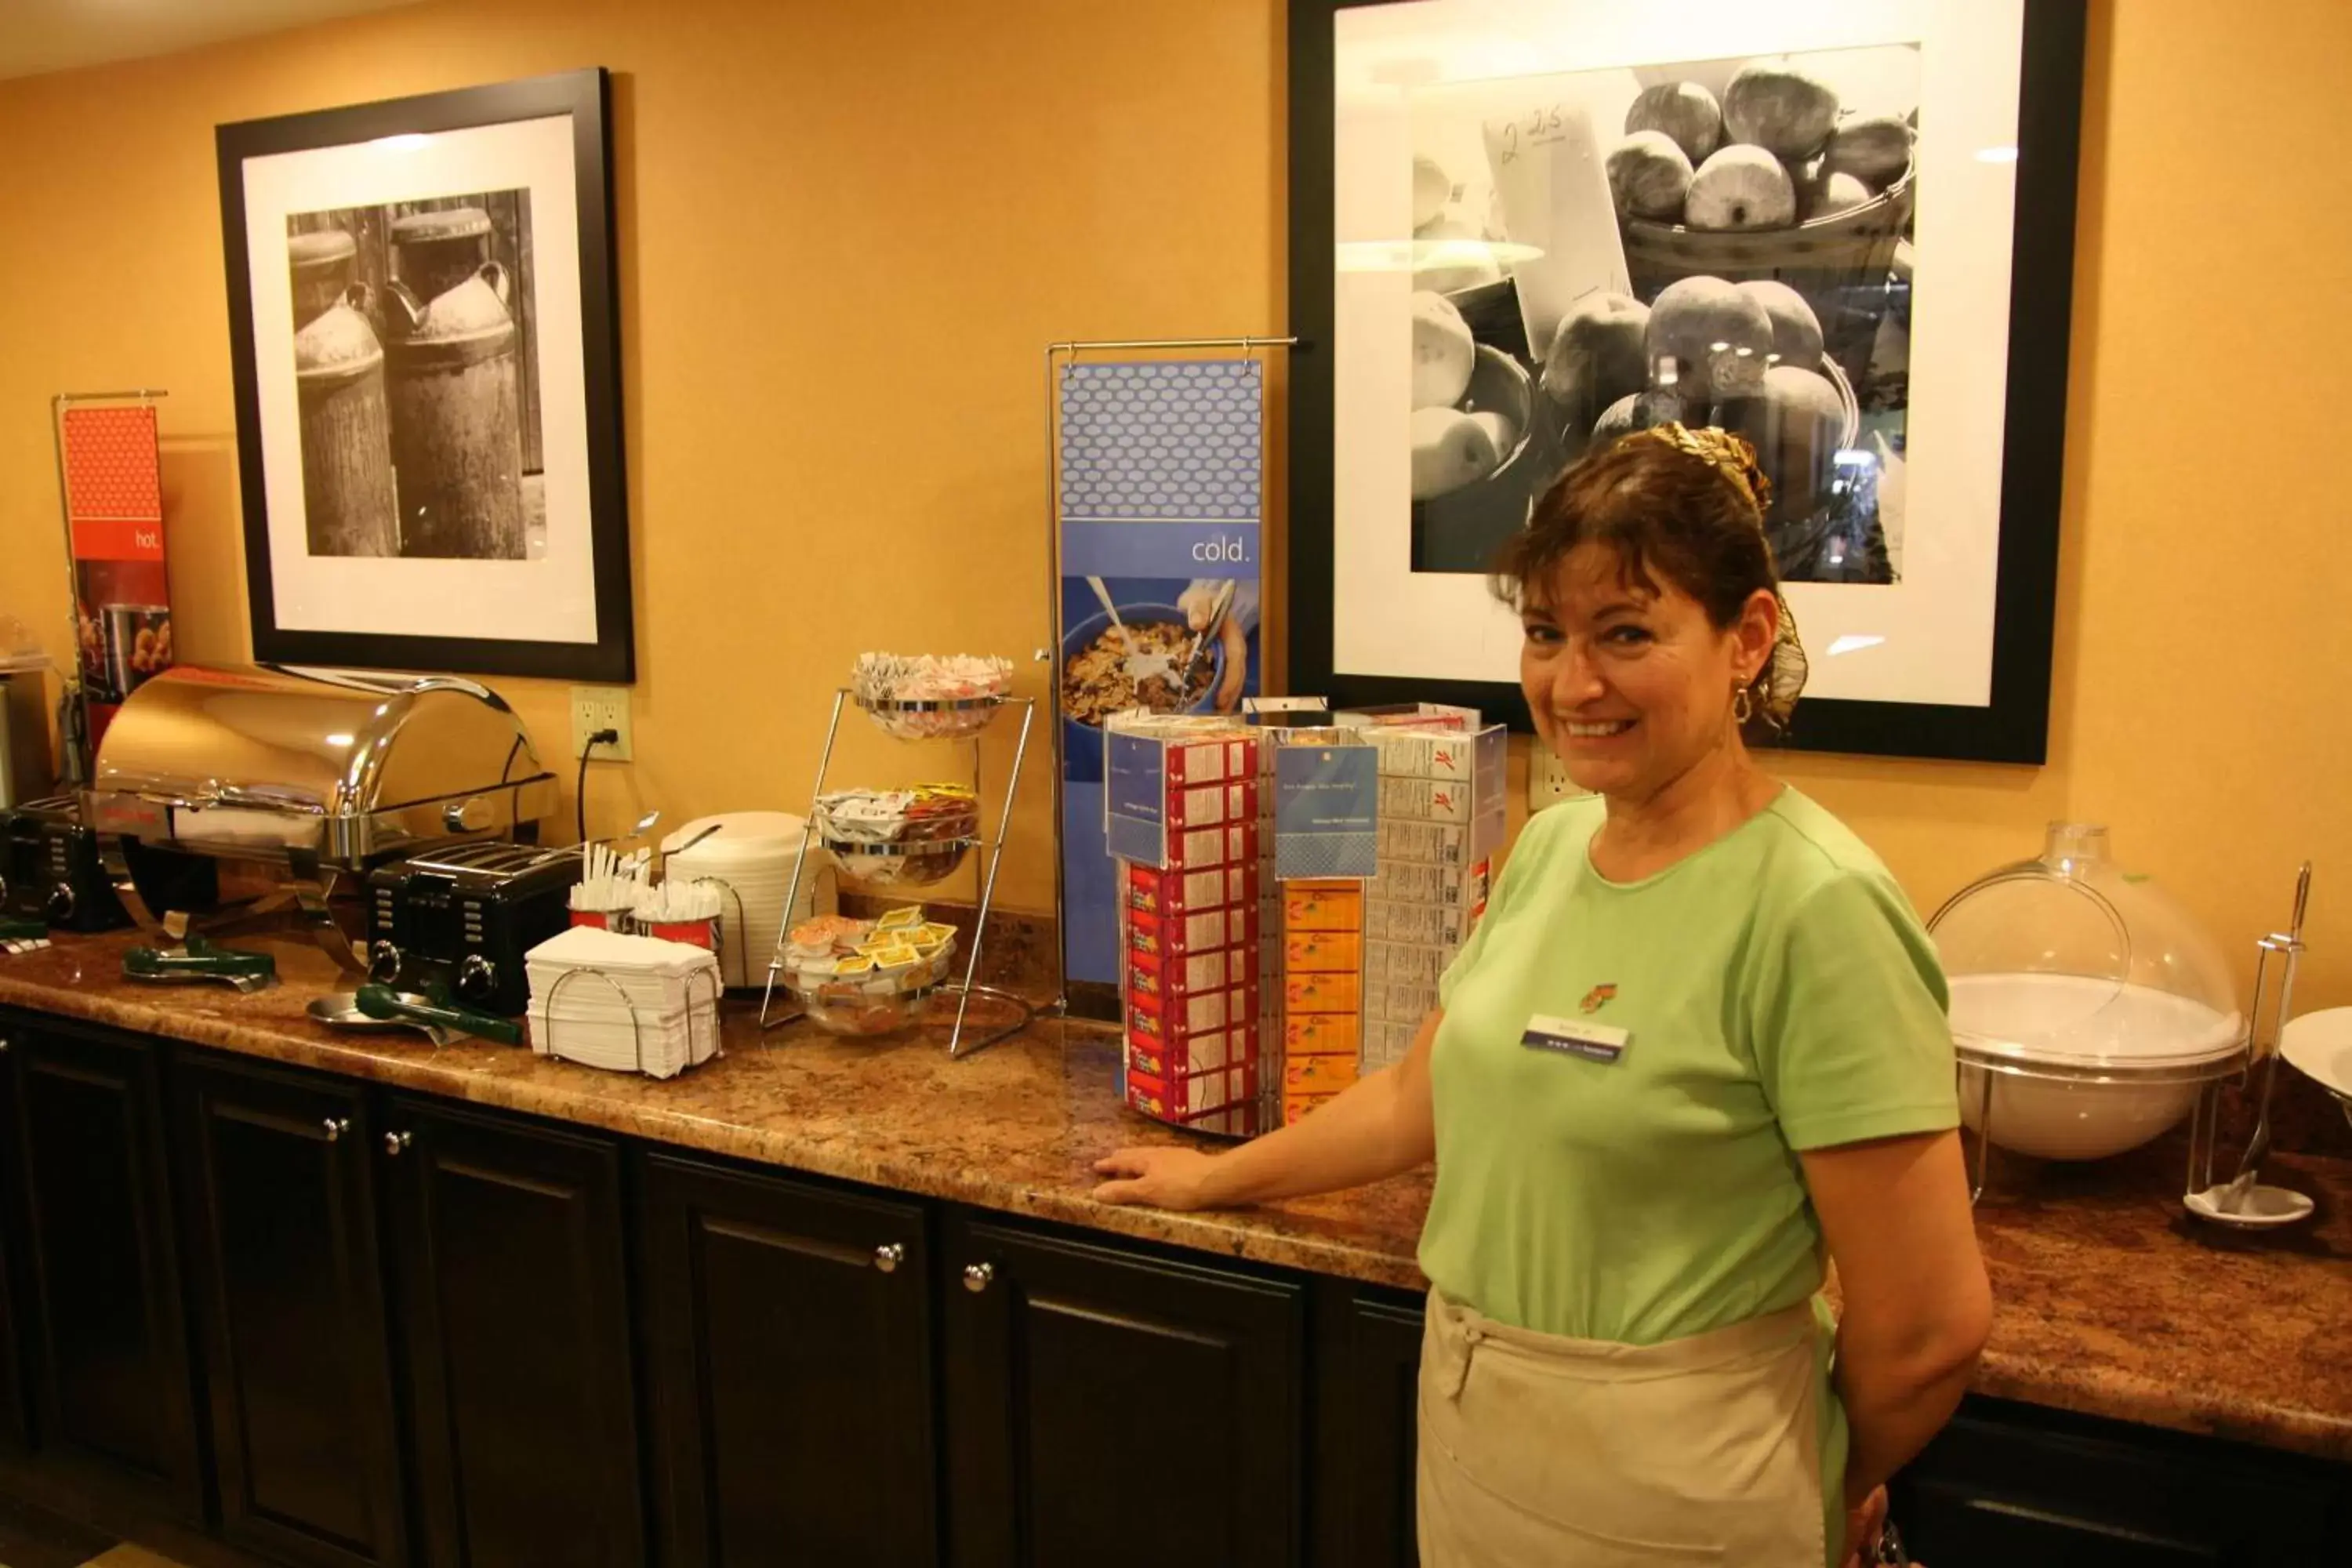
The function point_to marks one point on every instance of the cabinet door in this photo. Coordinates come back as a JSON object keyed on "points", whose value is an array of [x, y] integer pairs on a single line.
{"points": [[516, 1319], [791, 1331], [2011, 1483], [1366, 1399], [1107, 1406], [15, 1428], [284, 1262], [103, 1318]]}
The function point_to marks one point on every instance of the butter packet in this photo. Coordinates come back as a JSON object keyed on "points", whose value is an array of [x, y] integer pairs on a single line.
{"points": [[905, 920], [855, 964], [896, 955], [933, 931]]}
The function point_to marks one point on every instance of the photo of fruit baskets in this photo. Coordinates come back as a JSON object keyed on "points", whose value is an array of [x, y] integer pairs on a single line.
{"points": [[1718, 242]]}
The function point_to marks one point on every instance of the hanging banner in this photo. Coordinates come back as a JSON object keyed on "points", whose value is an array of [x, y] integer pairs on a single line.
{"points": [[114, 519], [1160, 479]]}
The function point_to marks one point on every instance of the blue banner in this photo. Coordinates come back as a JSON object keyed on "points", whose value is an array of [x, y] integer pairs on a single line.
{"points": [[1160, 470]]}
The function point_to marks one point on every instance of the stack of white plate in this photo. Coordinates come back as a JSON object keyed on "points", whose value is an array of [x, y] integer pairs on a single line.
{"points": [[752, 856], [627, 1004]]}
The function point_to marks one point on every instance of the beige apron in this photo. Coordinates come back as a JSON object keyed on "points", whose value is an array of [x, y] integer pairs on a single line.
{"points": [[1537, 1451]]}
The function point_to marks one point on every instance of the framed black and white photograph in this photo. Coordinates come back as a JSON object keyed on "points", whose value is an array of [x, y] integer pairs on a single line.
{"points": [[428, 411], [1521, 229]]}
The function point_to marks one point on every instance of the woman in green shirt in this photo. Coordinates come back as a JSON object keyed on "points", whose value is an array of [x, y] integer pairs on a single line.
{"points": [[1696, 1049]]}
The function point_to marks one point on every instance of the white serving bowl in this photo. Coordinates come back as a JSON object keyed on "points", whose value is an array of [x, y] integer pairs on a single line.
{"points": [[2081, 1067]]}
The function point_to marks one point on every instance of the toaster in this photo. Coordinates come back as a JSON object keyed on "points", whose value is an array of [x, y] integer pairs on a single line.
{"points": [[50, 868], [459, 919]]}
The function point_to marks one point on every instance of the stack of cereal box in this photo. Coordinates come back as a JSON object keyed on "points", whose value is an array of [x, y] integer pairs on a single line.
{"points": [[1184, 823], [1442, 818], [1319, 945], [1322, 990]]}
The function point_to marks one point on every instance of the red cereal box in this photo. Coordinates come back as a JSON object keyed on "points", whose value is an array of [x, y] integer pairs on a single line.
{"points": [[1182, 892], [1209, 805], [1177, 934], [1191, 1094], [1228, 844], [1199, 1053], [1172, 1019], [1183, 974], [1216, 760]]}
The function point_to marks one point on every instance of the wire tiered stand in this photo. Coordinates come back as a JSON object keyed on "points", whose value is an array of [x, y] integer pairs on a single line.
{"points": [[884, 712]]}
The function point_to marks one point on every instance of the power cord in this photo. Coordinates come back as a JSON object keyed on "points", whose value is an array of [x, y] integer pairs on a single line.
{"points": [[580, 792]]}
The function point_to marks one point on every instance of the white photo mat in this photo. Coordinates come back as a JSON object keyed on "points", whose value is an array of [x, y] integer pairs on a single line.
{"points": [[550, 599], [1928, 638]]}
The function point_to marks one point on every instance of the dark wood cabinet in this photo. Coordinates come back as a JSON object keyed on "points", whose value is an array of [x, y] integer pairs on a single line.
{"points": [[2009, 1483], [411, 1331], [15, 1426], [513, 1290], [102, 1318], [284, 1265], [1107, 1405], [1368, 1378], [789, 1335]]}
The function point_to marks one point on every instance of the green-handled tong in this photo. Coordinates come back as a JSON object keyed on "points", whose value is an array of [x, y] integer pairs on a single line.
{"points": [[383, 1002], [200, 960]]}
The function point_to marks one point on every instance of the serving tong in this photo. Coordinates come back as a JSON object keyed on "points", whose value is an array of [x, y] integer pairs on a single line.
{"points": [[1219, 607], [196, 960], [2243, 1201]]}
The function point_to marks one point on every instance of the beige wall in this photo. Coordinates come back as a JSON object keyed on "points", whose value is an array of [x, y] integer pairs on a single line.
{"points": [[848, 230]]}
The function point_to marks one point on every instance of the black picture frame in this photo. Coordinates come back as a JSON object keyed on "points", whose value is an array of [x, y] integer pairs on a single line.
{"points": [[584, 96], [2013, 727]]}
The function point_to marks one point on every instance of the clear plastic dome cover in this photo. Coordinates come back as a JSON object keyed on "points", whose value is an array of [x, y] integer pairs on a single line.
{"points": [[2072, 961]]}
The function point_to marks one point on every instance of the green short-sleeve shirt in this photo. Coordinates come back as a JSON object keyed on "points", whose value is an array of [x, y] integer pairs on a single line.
{"points": [[1781, 996]]}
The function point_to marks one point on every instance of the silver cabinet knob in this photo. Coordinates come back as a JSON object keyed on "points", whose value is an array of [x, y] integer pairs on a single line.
{"points": [[978, 1276], [887, 1257], [336, 1126], [394, 1142], [3, 1045]]}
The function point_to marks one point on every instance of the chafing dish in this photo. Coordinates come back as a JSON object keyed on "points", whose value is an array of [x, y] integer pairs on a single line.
{"points": [[309, 776]]}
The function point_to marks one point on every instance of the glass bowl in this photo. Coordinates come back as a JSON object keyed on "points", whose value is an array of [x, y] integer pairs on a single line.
{"points": [[936, 719]]}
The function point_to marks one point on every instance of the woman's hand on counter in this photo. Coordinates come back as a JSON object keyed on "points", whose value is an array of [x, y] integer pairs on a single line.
{"points": [[1162, 1176], [1379, 1126]]}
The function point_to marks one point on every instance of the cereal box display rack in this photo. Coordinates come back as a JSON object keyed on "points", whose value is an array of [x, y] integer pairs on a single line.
{"points": [[1282, 924]]}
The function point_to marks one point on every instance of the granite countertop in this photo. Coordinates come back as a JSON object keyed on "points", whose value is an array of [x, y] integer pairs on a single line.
{"points": [[2110, 1300]]}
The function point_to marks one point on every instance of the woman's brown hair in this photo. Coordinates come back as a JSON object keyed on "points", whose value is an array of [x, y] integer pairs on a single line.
{"points": [[1684, 506]]}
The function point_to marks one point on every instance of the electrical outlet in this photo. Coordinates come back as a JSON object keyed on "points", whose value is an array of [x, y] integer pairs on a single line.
{"points": [[596, 708], [1547, 780]]}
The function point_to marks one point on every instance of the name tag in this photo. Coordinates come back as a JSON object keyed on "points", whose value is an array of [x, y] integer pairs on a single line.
{"points": [[1577, 1037]]}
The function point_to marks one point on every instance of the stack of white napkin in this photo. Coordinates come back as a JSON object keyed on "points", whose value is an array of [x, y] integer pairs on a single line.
{"points": [[629, 1003]]}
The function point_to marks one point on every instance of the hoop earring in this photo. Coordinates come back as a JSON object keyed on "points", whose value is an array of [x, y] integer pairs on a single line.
{"points": [[1743, 705]]}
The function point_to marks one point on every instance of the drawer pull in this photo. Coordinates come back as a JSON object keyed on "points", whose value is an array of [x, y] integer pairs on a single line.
{"points": [[978, 1276], [887, 1257], [394, 1142]]}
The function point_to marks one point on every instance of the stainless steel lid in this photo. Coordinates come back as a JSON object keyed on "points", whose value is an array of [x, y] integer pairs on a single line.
{"points": [[344, 764]]}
